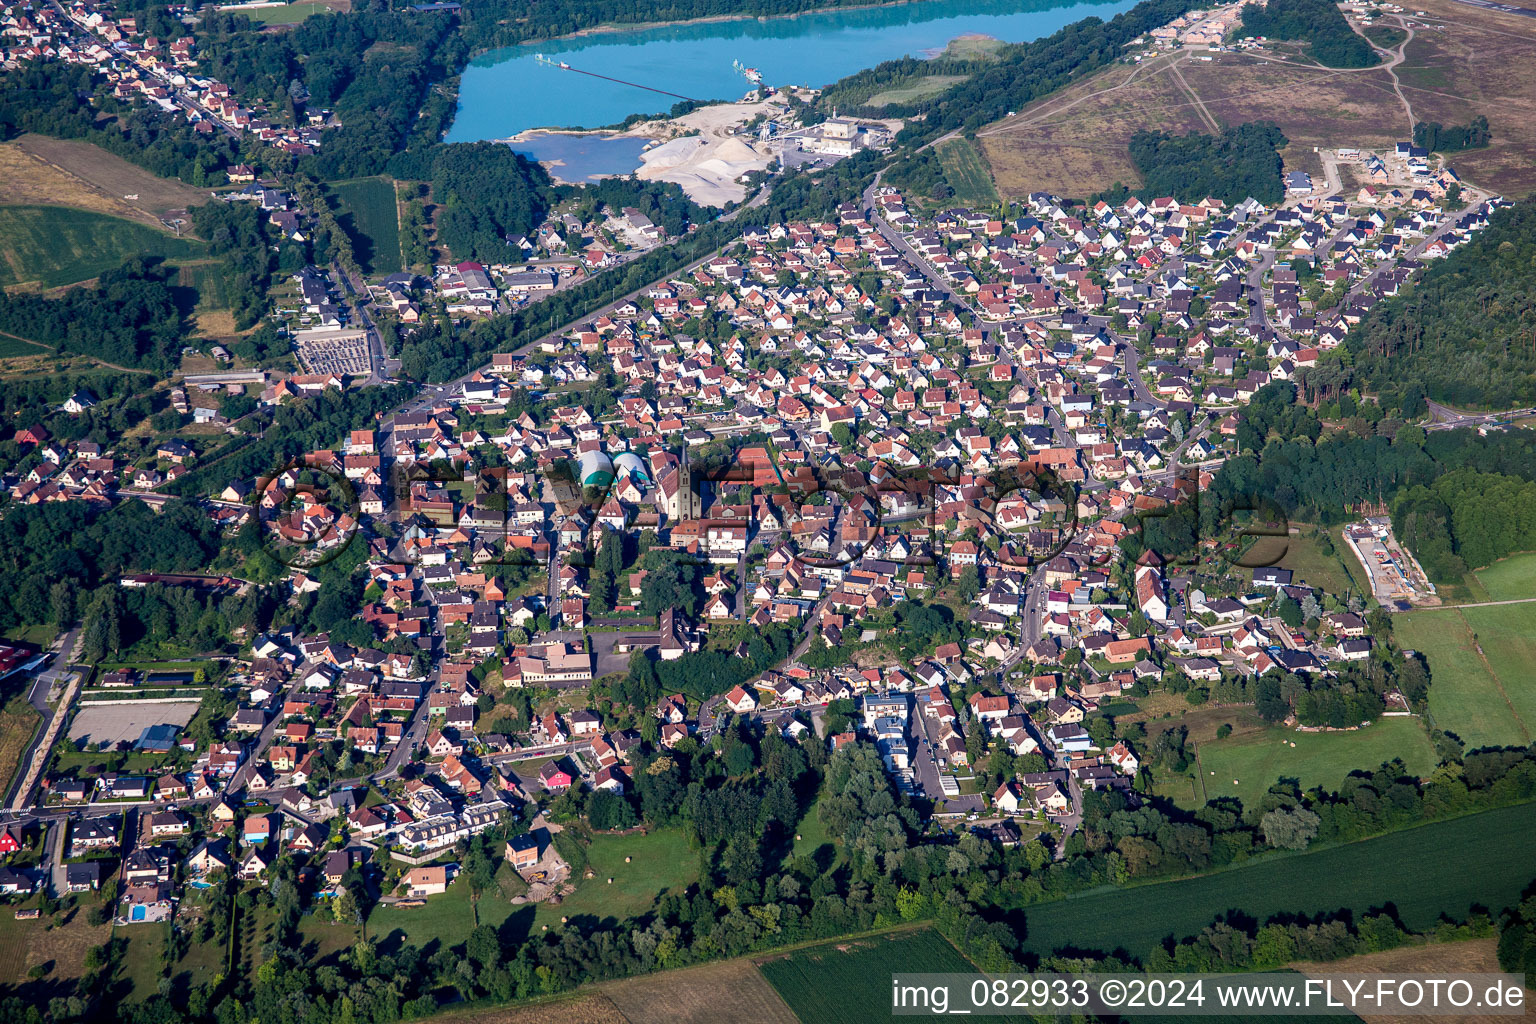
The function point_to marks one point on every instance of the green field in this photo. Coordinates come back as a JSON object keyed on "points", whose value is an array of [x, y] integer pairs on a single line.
{"points": [[1305, 558], [659, 861], [967, 173], [849, 981], [55, 245], [290, 14], [1259, 760], [1423, 872], [208, 281], [1507, 634], [918, 88], [1485, 698], [445, 921], [1510, 579], [366, 209]]}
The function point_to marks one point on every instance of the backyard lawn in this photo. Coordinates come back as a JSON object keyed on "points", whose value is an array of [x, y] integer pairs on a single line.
{"points": [[445, 921], [1304, 556]]}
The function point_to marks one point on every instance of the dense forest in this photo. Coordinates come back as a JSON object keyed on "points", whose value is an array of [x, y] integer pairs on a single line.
{"points": [[1436, 137], [129, 318], [1240, 162], [52, 552], [1466, 519], [1318, 23], [1466, 333], [489, 195]]}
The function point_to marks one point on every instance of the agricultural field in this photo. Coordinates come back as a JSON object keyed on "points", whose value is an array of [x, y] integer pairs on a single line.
{"points": [[36, 169], [1246, 764], [1075, 142], [1473, 956], [1355, 876], [1482, 689], [734, 990], [366, 209], [1507, 635], [51, 246], [966, 171], [844, 981], [1510, 579], [583, 1007]]}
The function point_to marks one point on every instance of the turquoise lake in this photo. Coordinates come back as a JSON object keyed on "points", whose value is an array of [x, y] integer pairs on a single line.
{"points": [[508, 91]]}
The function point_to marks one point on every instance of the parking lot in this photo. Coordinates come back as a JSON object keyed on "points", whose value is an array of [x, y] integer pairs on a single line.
{"points": [[342, 351]]}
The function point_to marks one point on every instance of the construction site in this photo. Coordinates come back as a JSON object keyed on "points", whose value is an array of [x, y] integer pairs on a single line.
{"points": [[1395, 575]]}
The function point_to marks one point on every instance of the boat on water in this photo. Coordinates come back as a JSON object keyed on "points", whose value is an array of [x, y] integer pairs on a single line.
{"points": [[750, 74]]}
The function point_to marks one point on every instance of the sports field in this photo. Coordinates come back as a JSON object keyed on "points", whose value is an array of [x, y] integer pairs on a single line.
{"points": [[1423, 872], [289, 14], [967, 173], [366, 208], [1245, 766], [55, 245], [1479, 659]]}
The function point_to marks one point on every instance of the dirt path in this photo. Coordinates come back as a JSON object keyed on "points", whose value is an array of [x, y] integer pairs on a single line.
{"points": [[1205, 113], [1037, 116], [1475, 604], [1394, 58]]}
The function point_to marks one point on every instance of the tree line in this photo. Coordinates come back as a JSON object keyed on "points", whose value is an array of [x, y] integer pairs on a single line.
{"points": [[1438, 138], [1285, 461]]}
